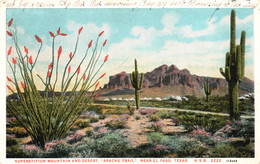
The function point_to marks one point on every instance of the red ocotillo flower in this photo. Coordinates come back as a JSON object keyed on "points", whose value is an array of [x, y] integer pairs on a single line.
{"points": [[63, 34], [97, 84], [30, 60], [84, 77], [96, 96], [8, 87], [102, 75], [10, 22], [70, 55], [90, 43], [59, 52], [101, 33], [38, 39], [49, 74], [69, 69], [104, 43], [25, 50], [22, 85], [58, 32], [50, 66], [80, 30], [10, 34], [14, 61], [9, 51], [78, 71], [106, 58], [10, 80], [52, 35]]}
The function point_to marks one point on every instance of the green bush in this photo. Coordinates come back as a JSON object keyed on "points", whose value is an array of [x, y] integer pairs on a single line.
{"points": [[154, 117], [97, 108], [155, 137], [58, 151], [15, 152], [10, 141], [247, 130], [182, 146], [111, 145], [165, 114], [190, 147], [82, 150], [81, 123], [210, 123], [102, 116], [93, 119], [228, 150]]}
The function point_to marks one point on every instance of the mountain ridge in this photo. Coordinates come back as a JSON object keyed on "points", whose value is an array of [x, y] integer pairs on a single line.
{"points": [[165, 76]]}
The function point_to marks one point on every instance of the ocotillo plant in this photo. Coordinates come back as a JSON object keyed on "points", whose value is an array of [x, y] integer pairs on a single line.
{"points": [[207, 89], [234, 67], [48, 116], [137, 83]]}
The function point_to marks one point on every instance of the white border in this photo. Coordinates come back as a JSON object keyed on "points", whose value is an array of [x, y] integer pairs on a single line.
{"points": [[89, 3]]}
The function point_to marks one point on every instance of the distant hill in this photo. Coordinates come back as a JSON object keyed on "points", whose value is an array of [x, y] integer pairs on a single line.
{"points": [[169, 80]]}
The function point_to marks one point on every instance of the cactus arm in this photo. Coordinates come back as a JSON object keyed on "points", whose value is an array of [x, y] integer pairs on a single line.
{"points": [[141, 81], [242, 44], [233, 36], [222, 72], [238, 62], [228, 60], [228, 73]]}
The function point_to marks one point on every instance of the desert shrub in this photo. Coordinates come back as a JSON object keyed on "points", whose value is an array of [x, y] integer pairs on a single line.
{"points": [[156, 126], [83, 150], [155, 137], [145, 111], [54, 149], [81, 123], [182, 146], [191, 148], [102, 116], [18, 131], [222, 149], [10, 141], [97, 108], [203, 136], [111, 145], [208, 122], [247, 131], [93, 119], [75, 138], [154, 117], [15, 152], [165, 114], [117, 122], [175, 120]]}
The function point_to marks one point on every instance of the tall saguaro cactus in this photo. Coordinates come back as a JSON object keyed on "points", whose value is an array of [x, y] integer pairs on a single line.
{"points": [[137, 83], [207, 89], [234, 67]]}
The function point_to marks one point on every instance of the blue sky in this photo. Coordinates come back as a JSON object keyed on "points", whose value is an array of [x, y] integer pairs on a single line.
{"points": [[181, 36]]}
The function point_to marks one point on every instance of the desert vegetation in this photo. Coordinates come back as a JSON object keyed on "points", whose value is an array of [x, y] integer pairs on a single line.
{"points": [[86, 124]]}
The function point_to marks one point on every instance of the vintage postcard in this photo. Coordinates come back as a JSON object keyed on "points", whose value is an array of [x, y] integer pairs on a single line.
{"points": [[129, 84]]}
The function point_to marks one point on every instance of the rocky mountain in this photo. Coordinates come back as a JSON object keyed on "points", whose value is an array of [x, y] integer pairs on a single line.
{"points": [[171, 79]]}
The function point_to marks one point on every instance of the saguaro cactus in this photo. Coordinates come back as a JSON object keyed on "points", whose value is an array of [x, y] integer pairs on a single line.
{"points": [[234, 67], [207, 89], [137, 84]]}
